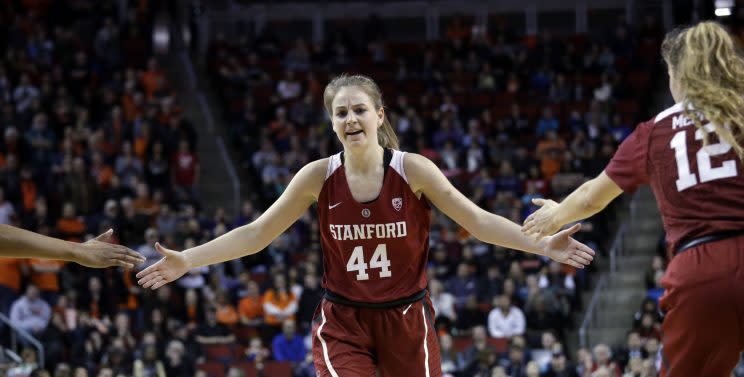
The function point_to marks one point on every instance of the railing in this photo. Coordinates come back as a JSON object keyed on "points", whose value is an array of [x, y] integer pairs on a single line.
{"points": [[617, 249], [589, 315], [618, 246], [17, 331]]}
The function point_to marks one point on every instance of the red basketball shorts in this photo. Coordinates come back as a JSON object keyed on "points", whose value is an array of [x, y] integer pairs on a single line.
{"points": [[357, 342], [703, 331]]}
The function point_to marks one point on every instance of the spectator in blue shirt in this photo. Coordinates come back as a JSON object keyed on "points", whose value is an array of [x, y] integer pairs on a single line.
{"points": [[289, 346], [547, 122]]}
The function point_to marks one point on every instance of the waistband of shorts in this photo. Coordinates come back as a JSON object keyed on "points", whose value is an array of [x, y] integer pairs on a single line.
{"points": [[338, 299], [709, 238]]}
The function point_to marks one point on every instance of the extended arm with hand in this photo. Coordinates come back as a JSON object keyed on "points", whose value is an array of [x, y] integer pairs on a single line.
{"points": [[249, 239], [587, 200], [97, 253], [427, 179]]}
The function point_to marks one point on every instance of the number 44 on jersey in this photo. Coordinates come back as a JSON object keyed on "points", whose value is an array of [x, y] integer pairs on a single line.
{"points": [[379, 260]]}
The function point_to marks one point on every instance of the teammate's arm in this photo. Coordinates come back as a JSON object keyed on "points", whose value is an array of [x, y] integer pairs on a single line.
{"points": [[249, 239], [425, 178], [590, 198], [97, 253]]}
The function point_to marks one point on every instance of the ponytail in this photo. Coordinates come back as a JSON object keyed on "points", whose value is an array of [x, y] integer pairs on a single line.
{"points": [[710, 70]]}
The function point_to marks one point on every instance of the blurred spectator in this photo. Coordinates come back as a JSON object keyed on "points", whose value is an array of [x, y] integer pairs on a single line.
{"points": [[10, 282], [505, 320], [150, 364], [279, 303], [288, 346], [603, 360], [311, 295], [225, 311], [30, 312], [479, 353], [212, 332]]}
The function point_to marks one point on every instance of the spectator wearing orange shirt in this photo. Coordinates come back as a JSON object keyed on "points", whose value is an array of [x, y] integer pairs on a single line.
{"points": [[152, 79], [250, 307], [550, 153], [279, 303], [144, 204], [69, 226], [10, 282], [226, 313], [45, 275]]}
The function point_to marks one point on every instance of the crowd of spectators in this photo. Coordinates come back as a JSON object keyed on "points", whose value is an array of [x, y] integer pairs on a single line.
{"points": [[507, 118], [92, 138]]}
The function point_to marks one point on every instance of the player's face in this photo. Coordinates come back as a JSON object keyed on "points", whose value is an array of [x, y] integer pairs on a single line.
{"points": [[355, 119]]}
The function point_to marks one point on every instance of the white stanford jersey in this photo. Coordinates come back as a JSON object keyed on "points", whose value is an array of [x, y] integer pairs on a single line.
{"points": [[376, 251]]}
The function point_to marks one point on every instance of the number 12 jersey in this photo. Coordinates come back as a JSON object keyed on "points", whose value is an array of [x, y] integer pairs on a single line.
{"points": [[699, 190]]}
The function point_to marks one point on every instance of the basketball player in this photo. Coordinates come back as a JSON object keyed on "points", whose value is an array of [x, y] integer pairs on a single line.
{"points": [[374, 213], [96, 253], [691, 155]]}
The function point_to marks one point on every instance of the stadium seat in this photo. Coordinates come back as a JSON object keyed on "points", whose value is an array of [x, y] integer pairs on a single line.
{"points": [[243, 334], [248, 367], [212, 369], [500, 344], [219, 352], [278, 369], [460, 343]]}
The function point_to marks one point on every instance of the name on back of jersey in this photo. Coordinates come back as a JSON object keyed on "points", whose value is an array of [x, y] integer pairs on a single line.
{"points": [[352, 232]]}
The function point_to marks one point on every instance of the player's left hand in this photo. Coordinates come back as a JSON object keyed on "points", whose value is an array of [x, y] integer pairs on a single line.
{"points": [[99, 253], [561, 247], [540, 223], [171, 267]]}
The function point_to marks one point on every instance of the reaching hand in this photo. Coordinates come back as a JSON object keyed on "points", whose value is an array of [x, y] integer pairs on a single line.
{"points": [[540, 222], [171, 267], [560, 247], [99, 253]]}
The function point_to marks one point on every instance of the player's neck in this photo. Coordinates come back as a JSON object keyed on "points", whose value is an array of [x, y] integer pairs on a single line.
{"points": [[362, 161]]}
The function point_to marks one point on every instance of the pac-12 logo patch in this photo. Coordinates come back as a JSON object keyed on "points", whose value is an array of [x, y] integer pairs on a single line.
{"points": [[366, 213], [397, 203]]}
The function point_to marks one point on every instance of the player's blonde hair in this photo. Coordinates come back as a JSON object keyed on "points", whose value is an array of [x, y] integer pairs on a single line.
{"points": [[385, 135], [709, 67]]}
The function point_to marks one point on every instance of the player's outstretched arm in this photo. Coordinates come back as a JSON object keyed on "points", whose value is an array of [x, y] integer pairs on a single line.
{"points": [[425, 178], [301, 192], [97, 253], [585, 201]]}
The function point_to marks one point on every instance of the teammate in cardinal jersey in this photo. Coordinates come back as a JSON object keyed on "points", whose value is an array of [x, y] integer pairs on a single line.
{"points": [[699, 188], [374, 215]]}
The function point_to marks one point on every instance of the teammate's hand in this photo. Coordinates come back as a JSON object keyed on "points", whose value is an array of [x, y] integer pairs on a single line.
{"points": [[540, 223], [560, 247], [171, 267], [99, 253]]}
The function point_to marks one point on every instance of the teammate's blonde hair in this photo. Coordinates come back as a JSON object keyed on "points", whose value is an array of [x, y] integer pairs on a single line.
{"points": [[709, 67], [385, 135]]}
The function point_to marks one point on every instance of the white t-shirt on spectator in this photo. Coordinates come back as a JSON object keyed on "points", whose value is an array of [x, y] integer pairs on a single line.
{"points": [[500, 326]]}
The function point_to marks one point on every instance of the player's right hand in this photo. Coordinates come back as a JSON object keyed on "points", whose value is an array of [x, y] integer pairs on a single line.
{"points": [[100, 253], [171, 267]]}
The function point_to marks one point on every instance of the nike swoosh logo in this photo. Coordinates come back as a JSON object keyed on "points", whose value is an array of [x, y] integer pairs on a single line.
{"points": [[334, 206]]}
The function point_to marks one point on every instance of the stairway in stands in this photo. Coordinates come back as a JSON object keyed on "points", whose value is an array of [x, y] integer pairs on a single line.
{"points": [[625, 288], [216, 183]]}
